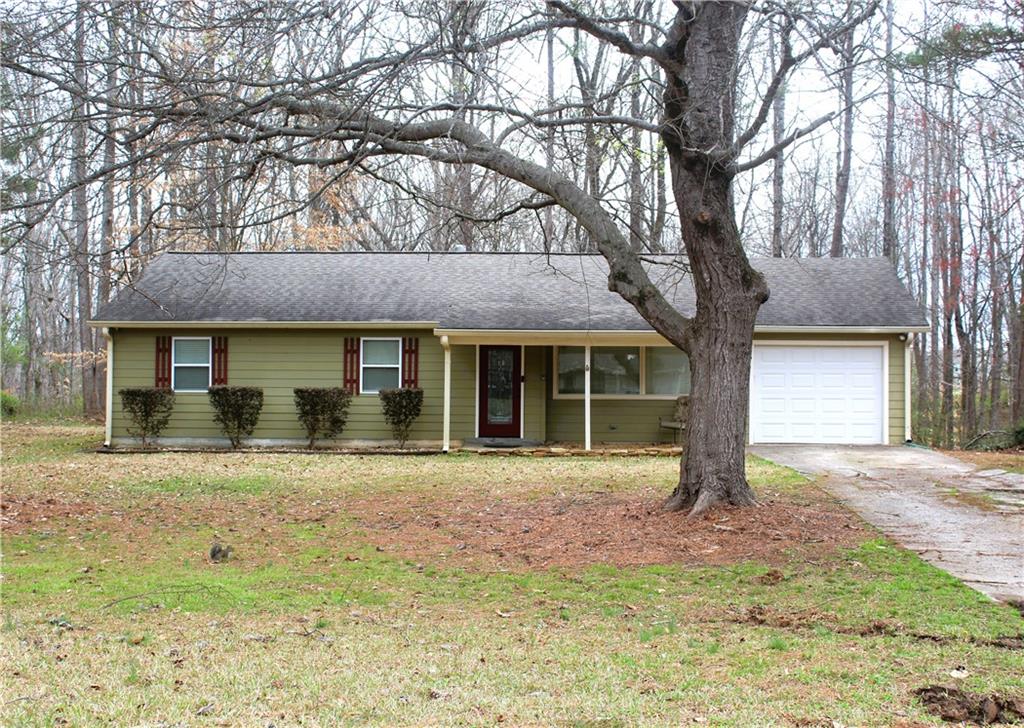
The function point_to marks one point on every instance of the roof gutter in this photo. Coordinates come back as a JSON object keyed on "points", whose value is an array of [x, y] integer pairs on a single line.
{"points": [[263, 324], [839, 329], [504, 333], [642, 334]]}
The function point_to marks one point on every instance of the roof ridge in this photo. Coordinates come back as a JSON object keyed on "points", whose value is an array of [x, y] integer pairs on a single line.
{"points": [[533, 253]]}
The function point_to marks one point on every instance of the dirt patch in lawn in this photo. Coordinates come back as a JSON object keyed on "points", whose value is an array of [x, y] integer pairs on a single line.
{"points": [[959, 706], [617, 529], [17, 514]]}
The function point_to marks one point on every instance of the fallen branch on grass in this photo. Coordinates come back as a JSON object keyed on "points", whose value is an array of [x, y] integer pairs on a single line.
{"points": [[213, 592]]}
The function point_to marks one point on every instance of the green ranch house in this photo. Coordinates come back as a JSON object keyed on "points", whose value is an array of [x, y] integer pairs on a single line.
{"points": [[506, 347]]}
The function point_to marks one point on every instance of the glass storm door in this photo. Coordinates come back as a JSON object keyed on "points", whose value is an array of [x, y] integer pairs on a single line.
{"points": [[500, 391]]}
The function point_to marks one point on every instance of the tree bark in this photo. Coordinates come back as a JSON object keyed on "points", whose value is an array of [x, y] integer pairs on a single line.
{"points": [[778, 171], [699, 108], [80, 213], [889, 159], [549, 135], [845, 149]]}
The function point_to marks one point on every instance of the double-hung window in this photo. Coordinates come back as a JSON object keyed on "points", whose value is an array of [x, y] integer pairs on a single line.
{"points": [[380, 365], [623, 372], [190, 364]]}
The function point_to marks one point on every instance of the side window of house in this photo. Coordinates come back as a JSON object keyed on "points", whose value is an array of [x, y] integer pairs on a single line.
{"points": [[668, 371], [191, 364], [624, 371], [381, 365]]}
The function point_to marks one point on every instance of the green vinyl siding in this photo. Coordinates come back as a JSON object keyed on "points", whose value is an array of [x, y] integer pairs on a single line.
{"points": [[534, 399], [463, 422], [280, 360], [610, 420]]}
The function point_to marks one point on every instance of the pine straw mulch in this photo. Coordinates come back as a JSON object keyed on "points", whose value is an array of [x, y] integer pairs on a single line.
{"points": [[517, 534], [1009, 459], [606, 528]]}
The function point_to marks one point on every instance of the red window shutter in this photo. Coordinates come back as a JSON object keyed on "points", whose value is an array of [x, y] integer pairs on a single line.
{"points": [[220, 360], [410, 362], [351, 360], [163, 362]]}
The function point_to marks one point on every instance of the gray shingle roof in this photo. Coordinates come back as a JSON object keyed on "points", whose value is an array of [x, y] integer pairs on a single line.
{"points": [[486, 291]]}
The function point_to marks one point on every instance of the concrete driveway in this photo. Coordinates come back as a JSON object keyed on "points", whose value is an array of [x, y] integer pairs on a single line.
{"points": [[966, 521]]}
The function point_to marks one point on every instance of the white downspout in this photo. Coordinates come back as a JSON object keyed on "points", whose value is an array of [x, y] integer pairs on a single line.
{"points": [[586, 397], [908, 367], [109, 422], [446, 442]]}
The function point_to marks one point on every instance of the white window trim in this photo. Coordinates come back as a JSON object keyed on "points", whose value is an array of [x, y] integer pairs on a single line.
{"points": [[379, 366], [175, 365], [643, 395]]}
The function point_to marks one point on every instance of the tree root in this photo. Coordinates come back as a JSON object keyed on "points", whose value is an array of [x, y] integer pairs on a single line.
{"points": [[699, 500]]}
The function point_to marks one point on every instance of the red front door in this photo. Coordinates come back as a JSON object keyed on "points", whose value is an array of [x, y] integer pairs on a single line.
{"points": [[500, 391]]}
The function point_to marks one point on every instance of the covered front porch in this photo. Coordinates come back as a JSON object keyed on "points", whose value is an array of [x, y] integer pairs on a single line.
{"points": [[581, 389]]}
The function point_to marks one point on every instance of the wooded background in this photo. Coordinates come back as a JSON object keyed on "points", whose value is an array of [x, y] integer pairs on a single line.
{"points": [[910, 143]]}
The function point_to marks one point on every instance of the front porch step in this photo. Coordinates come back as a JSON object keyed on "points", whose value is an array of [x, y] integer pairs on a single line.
{"points": [[504, 443]]}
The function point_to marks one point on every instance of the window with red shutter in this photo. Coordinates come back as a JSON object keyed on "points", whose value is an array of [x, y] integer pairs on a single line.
{"points": [[163, 362], [351, 364], [410, 362], [220, 360]]}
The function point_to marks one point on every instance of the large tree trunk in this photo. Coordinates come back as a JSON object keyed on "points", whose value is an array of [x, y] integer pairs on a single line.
{"points": [[729, 294], [699, 108]]}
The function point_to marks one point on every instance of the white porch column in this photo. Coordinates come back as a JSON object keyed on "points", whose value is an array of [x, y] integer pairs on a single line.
{"points": [[446, 443], [586, 397]]}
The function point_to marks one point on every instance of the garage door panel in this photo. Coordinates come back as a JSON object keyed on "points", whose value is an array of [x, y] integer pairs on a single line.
{"points": [[770, 380], [833, 381], [866, 434], [802, 431], [833, 405], [775, 431], [802, 356], [863, 380], [817, 394], [773, 405], [831, 355], [803, 405], [867, 355], [863, 406]]}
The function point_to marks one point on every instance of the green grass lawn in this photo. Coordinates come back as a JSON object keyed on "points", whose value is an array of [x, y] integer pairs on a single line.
{"points": [[369, 589]]}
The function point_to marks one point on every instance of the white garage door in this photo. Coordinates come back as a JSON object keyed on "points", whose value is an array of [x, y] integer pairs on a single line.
{"points": [[817, 394]]}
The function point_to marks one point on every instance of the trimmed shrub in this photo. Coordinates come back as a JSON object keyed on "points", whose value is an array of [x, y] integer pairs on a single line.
{"points": [[148, 408], [9, 404], [323, 411], [401, 407], [236, 410]]}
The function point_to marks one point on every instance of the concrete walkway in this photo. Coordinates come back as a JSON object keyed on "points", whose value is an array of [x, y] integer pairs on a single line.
{"points": [[968, 522]]}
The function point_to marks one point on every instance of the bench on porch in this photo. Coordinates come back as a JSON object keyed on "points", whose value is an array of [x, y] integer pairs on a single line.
{"points": [[679, 418]]}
